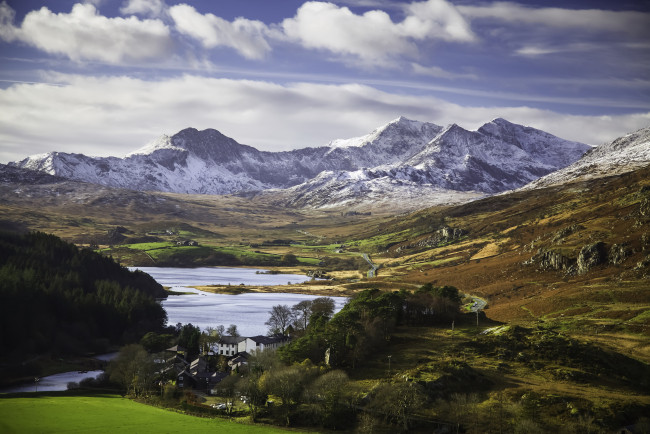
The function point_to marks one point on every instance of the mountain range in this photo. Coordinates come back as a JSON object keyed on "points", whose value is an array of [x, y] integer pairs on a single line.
{"points": [[401, 159]]}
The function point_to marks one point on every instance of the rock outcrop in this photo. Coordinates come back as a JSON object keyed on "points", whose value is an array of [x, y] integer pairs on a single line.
{"points": [[590, 256]]}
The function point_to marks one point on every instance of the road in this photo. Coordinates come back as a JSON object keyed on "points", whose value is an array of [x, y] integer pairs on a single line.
{"points": [[479, 304], [373, 268]]}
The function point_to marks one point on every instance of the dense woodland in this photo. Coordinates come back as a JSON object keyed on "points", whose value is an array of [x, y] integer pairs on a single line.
{"points": [[56, 298]]}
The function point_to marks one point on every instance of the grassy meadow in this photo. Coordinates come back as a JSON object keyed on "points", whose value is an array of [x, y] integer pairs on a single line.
{"points": [[55, 413]]}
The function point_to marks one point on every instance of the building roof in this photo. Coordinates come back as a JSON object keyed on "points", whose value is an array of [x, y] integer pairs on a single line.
{"points": [[267, 340], [231, 339], [198, 365], [177, 349]]}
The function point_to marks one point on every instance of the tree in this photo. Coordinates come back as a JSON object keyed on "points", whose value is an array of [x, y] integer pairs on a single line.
{"points": [[328, 393], [323, 307], [287, 383], [281, 316], [289, 259], [209, 338], [232, 330], [133, 369], [398, 401], [251, 386], [155, 342], [302, 312], [189, 338]]}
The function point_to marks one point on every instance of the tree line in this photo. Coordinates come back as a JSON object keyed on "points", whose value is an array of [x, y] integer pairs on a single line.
{"points": [[57, 298]]}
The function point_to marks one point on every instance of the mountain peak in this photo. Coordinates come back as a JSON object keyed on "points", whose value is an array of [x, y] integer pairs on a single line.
{"points": [[162, 142], [501, 121], [452, 129], [401, 120]]}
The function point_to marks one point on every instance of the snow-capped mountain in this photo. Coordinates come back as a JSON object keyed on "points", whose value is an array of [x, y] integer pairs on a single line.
{"points": [[624, 154], [456, 166], [402, 156], [208, 162]]}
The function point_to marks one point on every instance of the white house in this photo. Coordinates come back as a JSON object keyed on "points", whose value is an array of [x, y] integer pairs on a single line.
{"points": [[262, 343], [230, 345]]}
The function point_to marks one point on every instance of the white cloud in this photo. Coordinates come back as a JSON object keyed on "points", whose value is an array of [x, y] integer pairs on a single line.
{"points": [[116, 115], [373, 37], [436, 19], [83, 34], [248, 37], [151, 8], [7, 30]]}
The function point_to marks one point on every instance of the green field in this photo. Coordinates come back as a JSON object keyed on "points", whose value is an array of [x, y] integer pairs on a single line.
{"points": [[165, 252], [104, 414]]}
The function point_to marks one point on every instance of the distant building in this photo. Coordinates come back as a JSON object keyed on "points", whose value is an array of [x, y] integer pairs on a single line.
{"points": [[229, 346], [262, 343]]}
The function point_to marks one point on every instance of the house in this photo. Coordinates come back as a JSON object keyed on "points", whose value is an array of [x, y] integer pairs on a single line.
{"points": [[229, 346], [197, 374], [239, 361], [262, 343], [178, 350], [198, 365]]}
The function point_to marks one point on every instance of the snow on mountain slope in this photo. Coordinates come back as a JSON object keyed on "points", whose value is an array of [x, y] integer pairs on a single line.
{"points": [[365, 189], [624, 154], [497, 157], [389, 144], [396, 160]]}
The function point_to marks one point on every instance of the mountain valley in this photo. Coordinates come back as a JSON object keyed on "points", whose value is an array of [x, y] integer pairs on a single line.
{"points": [[563, 267]]}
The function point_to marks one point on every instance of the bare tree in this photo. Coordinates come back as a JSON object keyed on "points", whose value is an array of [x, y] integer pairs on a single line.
{"points": [[133, 369], [281, 316], [302, 312], [398, 401]]}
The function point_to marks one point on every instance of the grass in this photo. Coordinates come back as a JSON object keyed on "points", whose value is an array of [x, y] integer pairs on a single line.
{"points": [[145, 253], [45, 413]]}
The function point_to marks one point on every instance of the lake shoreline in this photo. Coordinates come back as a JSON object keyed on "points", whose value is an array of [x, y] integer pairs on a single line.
{"points": [[320, 288]]}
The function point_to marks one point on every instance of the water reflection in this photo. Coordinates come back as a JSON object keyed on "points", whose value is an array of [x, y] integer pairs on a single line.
{"points": [[53, 383]]}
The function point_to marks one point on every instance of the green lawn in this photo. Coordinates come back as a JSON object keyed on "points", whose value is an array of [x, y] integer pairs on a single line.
{"points": [[105, 414]]}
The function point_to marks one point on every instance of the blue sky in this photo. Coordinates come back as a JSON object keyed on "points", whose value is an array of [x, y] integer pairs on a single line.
{"points": [[105, 77]]}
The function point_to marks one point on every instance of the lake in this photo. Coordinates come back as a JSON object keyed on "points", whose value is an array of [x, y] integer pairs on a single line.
{"points": [[249, 311]]}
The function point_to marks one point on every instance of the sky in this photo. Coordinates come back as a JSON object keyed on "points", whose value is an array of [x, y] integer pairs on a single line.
{"points": [[105, 77]]}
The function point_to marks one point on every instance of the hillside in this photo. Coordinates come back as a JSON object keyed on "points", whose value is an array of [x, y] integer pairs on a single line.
{"points": [[577, 254]]}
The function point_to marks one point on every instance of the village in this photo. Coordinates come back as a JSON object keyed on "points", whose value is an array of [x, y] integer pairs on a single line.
{"points": [[204, 373]]}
